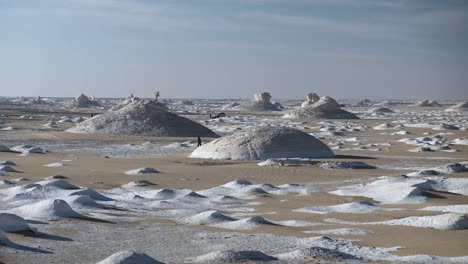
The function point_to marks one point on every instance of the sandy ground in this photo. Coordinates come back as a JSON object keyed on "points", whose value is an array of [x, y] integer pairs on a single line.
{"points": [[179, 171]]}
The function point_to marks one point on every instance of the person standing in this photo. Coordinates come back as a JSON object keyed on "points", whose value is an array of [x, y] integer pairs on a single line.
{"points": [[199, 141]]}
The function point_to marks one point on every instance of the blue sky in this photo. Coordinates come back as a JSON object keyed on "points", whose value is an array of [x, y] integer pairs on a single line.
{"points": [[233, 48]]}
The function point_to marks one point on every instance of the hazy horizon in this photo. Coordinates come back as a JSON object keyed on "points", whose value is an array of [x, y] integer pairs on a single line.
{"points": [[388, 49]]}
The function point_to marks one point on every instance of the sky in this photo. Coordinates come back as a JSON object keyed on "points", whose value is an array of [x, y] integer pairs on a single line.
{"points": [[376, 49]]}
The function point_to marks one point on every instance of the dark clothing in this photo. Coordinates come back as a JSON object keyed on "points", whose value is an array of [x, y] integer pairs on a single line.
{"points": [[199, 141]]}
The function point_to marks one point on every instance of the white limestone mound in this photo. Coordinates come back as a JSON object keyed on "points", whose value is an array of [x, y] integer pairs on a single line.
{"points": [[231, 256], [261, 103], [7, 168], [207, 218], [58, 183], [337, 165], [380, 110], [92, 193], [79, 201], [325, 108], [140, 171], [341, 231], [7, 162], [165, 194], [85, 101], [246, 223], [311, 99], [388, 190], [261, 143], [13, 223], [55, 164], [361, 207], [463, 106], [129, 257], [145, 118], [140, 183], [450, 221], [427, 103], [52, 209]]}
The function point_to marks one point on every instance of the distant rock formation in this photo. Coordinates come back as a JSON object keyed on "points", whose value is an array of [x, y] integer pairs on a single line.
{"points": [[261, 143], [325, 108], [427, 103], [39, 100], [261, 103], [364, 103], [85, 101], [311, 99]]}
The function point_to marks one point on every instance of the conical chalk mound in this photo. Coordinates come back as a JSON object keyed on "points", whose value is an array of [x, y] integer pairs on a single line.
{"points": [[145, 118], [129, 257], [261, 143], [48, 209], [13, 223]]}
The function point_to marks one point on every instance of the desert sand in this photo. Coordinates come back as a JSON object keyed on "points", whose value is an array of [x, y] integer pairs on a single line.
{"points": [[194, 210]]}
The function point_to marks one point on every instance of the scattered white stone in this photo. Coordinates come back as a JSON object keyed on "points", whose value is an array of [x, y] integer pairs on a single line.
{"points": [[55, 164], [141, 171]]}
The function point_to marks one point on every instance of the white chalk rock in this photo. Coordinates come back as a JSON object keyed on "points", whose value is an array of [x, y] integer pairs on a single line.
{"points": [[13, 223], [129, 257], [85, 101], [141, 171], [325, 108], [144, 118], [261, 103], [311, 99], [261, 143], [47, 209]]}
